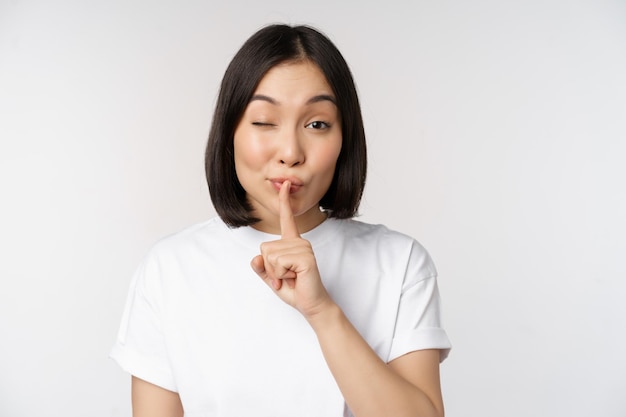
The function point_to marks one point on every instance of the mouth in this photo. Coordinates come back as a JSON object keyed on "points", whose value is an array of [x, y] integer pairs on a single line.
{"points": [[277, 183]]}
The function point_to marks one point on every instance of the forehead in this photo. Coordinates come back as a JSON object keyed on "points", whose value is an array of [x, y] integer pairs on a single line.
{"points": [[292, 81]]}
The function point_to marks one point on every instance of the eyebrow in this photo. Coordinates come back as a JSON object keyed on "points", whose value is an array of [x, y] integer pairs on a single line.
{"points": [[312, 100]]}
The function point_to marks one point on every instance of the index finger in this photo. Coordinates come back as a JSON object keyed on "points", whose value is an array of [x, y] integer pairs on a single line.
{"points": [[288, 227]]}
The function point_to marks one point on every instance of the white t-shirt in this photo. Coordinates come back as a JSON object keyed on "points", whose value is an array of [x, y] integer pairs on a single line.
{"points": [[200, 322]]}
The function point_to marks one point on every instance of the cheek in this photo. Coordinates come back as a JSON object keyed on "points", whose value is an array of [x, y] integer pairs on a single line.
{"points": [[328, 158], [249, 152]]}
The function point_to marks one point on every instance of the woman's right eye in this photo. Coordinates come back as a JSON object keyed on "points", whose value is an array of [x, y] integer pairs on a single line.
{"points": [[262, 124]]}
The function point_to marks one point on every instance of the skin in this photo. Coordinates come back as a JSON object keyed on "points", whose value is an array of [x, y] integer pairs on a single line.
{"points": [[150, 400], [288, 147]]}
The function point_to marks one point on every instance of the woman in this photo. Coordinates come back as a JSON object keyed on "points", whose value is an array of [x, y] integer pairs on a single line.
{"points": [[284, 305]]}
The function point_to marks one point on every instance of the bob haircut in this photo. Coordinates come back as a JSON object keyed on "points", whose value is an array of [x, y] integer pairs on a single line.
{"points": [[270, 46]]}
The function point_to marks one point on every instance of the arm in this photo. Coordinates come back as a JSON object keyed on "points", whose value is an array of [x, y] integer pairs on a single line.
{"points": [[150, 400], [408, 386]]}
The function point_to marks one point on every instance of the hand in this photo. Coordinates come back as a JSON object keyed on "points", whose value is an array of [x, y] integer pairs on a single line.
{"points": [[288, 265]]}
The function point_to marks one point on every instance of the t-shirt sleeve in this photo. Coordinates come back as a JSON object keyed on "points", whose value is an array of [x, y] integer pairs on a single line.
{"points": [[140, 348], [418, 323]]}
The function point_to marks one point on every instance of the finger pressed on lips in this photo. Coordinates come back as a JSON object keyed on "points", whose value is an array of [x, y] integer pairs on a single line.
{"points": [[288, 227], [288, 230]]}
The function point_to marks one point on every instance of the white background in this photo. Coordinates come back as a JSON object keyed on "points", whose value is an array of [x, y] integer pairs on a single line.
{"points": [[497, 138]]}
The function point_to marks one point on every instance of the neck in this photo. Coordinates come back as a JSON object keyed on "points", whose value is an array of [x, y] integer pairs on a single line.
{"points": [[305, 222]]}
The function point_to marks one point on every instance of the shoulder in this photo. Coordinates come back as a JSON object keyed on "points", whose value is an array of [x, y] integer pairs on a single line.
{"points": [[170, 258], [188, 243], [390, 245], [375, 233], [209, 230]]}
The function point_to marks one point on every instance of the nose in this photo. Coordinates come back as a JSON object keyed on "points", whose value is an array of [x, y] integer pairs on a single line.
{"points": [[290, 151]]}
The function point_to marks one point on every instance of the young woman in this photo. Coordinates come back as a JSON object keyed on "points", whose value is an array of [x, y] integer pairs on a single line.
{"points": [[284, 305]]}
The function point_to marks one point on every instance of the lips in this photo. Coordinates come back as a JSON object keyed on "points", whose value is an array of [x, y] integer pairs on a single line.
{"points": [[296, 183]]}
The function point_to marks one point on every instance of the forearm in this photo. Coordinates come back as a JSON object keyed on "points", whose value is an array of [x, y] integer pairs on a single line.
{"points": [[369, 386]]}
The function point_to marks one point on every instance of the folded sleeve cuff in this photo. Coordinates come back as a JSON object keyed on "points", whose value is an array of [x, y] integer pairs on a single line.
{"points": [[421, 339], [142, 368]]}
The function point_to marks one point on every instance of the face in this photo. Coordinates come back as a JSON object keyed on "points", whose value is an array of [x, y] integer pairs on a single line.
{"points": [[290, 130]]}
